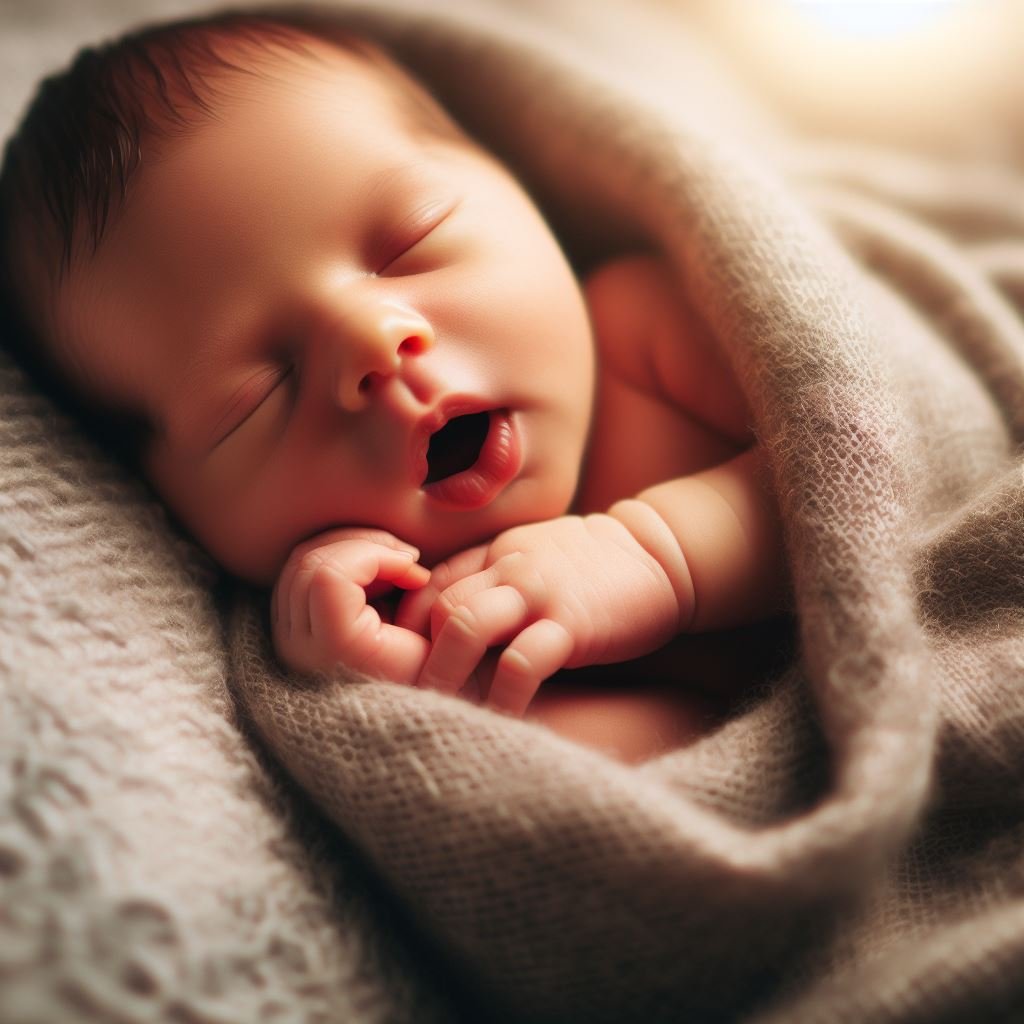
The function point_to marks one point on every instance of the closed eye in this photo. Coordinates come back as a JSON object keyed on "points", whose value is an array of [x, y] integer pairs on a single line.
{"points": [[252, 397], [404, 236]]}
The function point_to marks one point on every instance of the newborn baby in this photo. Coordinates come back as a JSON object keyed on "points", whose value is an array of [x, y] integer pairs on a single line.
{"points": [[345, 348]]}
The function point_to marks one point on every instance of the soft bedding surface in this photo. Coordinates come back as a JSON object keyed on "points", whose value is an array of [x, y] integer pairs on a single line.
{"points": [[188, 834]]}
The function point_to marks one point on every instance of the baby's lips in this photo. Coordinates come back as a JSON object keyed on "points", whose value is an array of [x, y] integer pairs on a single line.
{"points": [[450, 408], [496, 466]]}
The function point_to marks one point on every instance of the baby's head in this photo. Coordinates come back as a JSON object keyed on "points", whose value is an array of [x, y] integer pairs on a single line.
{"points": [[264, 252]]}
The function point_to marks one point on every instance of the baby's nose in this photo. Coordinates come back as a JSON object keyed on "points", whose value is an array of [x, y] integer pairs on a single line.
{"points": [[373, 342]]}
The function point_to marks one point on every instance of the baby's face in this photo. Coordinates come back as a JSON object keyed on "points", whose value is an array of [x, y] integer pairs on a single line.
{"points": [[302, 294]]}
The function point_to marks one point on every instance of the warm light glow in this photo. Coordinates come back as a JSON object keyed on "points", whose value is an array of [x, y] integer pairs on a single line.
{"points": [[933, 74], [875, 18]]}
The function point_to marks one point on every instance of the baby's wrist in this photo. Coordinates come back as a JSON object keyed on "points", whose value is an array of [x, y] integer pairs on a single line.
{"points": [[655, 536]]}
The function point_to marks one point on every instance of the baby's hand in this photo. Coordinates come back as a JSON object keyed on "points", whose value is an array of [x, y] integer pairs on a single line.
{"points": [[562, 593], [321, 610]]}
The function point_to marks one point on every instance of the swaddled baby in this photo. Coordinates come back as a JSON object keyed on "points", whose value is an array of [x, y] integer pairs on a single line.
{"points": [[345, 348]]}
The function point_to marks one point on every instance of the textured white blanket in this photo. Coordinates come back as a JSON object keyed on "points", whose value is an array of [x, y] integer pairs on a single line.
{"points": [[846, 848]]}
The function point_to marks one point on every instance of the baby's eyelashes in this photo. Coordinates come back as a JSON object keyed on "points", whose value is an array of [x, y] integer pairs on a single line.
{"points": [[399, 241], [262, 394]]}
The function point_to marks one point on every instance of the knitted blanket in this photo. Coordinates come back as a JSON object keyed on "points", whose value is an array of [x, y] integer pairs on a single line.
{"points": [[187, 833]]}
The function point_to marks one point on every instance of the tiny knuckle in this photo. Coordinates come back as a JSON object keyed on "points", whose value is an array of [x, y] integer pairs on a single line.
{"points": [[322, 582], [441, 579], [299, 552], [338, 645], [446, 604], [530, 581], [340, 535], [311, 561], [317, 547], [515, 536], [376, 536], [507, 549], [514, 664], [464, 619]]}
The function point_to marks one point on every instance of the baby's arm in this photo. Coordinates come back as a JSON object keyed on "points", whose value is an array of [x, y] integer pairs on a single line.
{"points": [[717, 535], [722, 519]]}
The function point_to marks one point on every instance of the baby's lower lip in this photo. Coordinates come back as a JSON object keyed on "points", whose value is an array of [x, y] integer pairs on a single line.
{"points": [[496, 466]]}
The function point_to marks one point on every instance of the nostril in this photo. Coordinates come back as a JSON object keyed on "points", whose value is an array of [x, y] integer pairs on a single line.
{"points": [[413, 345], [366, 382]]}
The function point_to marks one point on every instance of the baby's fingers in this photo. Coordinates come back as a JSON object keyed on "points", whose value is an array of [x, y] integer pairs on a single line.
{"points": [[349, 550], [415, 608], [320, 612], [537, 653], [337, 576], [344, 629], [483, 620]]}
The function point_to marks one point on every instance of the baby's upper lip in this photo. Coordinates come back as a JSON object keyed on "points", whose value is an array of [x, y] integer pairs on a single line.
{"points": [[445, 410]]}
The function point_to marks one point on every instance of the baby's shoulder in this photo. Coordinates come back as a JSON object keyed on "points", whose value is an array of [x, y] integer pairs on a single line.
{"points": [[621, 289], [650, 337], [629, 298]]}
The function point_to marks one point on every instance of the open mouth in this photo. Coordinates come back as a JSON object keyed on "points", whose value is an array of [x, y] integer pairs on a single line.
{"points": [[456, 446], [470, 460]]}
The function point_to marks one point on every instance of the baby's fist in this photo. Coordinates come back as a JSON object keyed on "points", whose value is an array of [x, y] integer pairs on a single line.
{"points": [[562, 593], [321, 615]]}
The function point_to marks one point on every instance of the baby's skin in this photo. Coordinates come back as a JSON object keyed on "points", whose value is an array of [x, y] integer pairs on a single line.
{"points": [[370, 367]]}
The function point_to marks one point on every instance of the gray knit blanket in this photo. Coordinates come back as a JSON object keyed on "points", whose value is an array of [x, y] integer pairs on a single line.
{"points": [[187, 834]]}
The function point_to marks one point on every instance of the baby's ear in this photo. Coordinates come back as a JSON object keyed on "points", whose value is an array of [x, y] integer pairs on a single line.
{"points": [[124, 433]]}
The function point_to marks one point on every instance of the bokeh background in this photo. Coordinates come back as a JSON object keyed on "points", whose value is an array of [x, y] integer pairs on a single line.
{"points": [[934, 74]]}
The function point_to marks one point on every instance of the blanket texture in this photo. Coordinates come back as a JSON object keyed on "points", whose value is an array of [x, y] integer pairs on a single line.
{"points": [[188, 834]]}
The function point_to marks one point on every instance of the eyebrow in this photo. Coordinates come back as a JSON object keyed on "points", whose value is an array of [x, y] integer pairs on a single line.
{"points": [[401, 181], [393, 179]]}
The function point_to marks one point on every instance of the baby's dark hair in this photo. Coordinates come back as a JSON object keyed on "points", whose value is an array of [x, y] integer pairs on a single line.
{"points": [[67, 168]]}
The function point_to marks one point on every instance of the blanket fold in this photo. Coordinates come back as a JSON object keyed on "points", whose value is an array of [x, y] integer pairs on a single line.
{"points": [[886, 392], [846, 846]]}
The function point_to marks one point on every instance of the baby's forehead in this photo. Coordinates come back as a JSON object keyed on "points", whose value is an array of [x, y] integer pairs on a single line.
{"points": [[366, 69], [308, 146], [309, 54], [367, 81]]}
